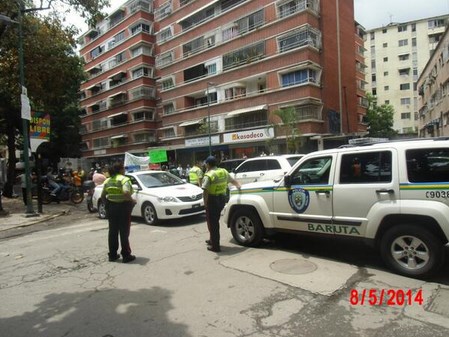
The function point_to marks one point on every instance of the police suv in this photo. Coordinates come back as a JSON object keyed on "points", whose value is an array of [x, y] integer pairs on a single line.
{"points": [[394, 195]]}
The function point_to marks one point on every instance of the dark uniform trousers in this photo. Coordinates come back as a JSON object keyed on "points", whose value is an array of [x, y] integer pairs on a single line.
{"points": [[119, 217], [215, 205]]}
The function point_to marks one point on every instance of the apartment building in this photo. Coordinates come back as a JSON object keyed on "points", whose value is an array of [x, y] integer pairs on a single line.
{"points": [[194, 77], [433, 89], [231, 64], [118, 99], [397, 55]]}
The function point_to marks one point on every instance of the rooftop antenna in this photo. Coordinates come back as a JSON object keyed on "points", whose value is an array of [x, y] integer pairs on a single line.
{"points": [[391, 18]]}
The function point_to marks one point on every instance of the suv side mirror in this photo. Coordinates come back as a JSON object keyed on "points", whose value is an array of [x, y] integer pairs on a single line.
{"points": [[288, 180]]}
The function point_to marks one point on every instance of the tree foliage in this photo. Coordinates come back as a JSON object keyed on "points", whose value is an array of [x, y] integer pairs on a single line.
{"points": [[53, 71], [380, 119], [289, 121]]}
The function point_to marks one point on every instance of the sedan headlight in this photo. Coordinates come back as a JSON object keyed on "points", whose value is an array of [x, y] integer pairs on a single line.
{"points": [[167, 199]]}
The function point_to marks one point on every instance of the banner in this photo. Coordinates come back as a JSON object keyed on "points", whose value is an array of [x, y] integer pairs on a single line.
{"points": [[158, 156], [40, 125], [134, 163]]}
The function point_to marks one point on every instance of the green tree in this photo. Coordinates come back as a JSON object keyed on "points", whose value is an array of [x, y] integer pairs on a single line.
{"points": [[289, 121], [53, 71], [380, 119]]}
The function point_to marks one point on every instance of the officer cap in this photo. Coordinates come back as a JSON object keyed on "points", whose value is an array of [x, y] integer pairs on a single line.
{"points": [[211, 160]]}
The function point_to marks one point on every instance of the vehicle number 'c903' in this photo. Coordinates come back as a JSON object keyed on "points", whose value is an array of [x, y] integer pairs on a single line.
{"points": [[437, 194]]}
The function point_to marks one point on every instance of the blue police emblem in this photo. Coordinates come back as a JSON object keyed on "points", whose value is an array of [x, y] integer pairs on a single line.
{"points": [[299, 199]]}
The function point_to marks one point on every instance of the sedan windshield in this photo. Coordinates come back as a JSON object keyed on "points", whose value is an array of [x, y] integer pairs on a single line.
{"points": [[159, 179]]}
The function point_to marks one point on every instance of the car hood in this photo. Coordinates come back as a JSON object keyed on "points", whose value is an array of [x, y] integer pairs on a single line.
{"points": [[173, 191]]}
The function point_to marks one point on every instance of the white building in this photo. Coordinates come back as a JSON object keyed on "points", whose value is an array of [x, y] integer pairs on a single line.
{"points": [[433, 87], [396, 55]]}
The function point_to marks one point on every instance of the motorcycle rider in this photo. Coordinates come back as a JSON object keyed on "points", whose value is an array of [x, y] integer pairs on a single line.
{"points": [[52, 182]]}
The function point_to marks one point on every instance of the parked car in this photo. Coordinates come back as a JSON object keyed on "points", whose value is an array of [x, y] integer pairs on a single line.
{"points": [[231, 164], [394, 196], [159, 195], [264, 168]]}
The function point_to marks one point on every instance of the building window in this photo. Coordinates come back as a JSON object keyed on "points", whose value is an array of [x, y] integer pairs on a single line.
{"points": [[385, 73], [164, 59], [141, 50], [141, 72], [372, 35], [384, 30], [403, 42], [244, 55], [101, 142], [164, 35], [302, 37], [405, 101], [385, 59], [404, 72], [402, 28], [143, 115], [414, 42], [406, 115], [405, 86], [141, 27], [386, 88], [298, 77], [387, 101], [169, 133], [167, 83], [211, 69], [289, 7], [243, 25], [385, 45], [146, 137], [236, 92], [435, 23], [169, 108], [404, 57], [143, 93]]}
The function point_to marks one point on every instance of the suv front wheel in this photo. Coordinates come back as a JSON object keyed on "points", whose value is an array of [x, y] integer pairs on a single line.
{"points": [[246, 227], [412, 251]]}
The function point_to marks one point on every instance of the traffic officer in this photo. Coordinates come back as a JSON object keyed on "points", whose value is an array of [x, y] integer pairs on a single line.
{"points": [[196, 174], [117, 191], [215, 185]]}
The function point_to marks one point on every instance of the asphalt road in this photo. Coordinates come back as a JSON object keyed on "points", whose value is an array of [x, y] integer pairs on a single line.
{"points": [[55, 280]]}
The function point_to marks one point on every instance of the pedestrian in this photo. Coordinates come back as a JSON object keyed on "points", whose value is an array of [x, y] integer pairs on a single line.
{"points": [[214, 185], [98, 177], [196, 174], [117, 192]]}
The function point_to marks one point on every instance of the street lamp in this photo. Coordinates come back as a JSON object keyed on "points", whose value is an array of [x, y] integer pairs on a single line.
{"points": [[208, 116]]}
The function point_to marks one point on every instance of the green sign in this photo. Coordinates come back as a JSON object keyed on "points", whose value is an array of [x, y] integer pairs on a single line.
{"points": [[158, 156]]}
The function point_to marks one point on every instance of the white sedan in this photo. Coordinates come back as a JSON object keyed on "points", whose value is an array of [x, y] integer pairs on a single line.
{"points": [[159, 195]]}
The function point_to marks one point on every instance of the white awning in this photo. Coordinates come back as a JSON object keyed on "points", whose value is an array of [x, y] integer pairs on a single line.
{"points": [[199, 121], [117, 114], [119, 136], [197, 11], [117, 93], [245, 110], [93, 86], [167, 127]]}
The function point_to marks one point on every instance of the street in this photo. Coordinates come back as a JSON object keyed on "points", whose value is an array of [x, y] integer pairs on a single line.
{"points": [[57, 282]]}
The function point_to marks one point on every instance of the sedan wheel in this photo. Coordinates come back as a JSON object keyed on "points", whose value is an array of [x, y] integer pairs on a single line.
{"points": [[149, 214], [102, 213]]}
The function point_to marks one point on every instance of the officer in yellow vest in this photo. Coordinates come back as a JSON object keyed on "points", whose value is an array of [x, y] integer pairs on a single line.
{"points": [[196, 174], [117, 192], [215, 184]]}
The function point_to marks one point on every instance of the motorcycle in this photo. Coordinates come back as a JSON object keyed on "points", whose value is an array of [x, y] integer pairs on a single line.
{"points": [[89, 187], [68, 192]]}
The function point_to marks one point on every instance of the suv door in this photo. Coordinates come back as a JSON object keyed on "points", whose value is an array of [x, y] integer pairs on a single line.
{"points": [[249, 171], [304, 202], [365, 180]]}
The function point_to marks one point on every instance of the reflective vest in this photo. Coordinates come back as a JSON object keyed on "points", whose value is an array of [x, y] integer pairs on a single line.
{"points": [[114, 188], [194, 174], [218, 181]]}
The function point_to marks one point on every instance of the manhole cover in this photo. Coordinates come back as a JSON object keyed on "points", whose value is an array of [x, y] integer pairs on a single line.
{"points": [[293, 266]]}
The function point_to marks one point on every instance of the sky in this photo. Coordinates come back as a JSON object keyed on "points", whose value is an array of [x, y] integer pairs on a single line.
{"points": [[369, 13], [377, 13]]}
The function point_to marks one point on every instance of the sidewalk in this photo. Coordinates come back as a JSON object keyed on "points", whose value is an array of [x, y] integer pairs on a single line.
{"points": [[16, 213]]}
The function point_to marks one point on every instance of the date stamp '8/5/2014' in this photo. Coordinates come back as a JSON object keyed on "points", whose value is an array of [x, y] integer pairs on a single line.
{"points": [[389, 297]]}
